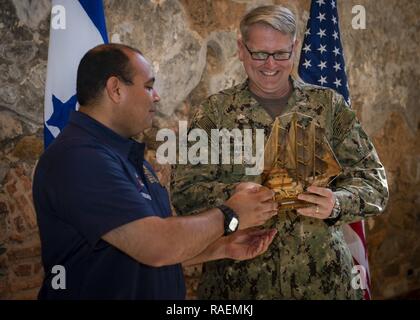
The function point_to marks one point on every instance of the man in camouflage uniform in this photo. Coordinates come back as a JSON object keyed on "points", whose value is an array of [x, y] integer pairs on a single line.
{"points": [[309, 258]]}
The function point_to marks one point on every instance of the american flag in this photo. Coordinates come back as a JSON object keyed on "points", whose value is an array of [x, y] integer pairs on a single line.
{"points": [[322, 63]]}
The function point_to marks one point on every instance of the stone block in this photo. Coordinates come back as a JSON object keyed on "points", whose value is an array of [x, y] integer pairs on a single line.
{"points": [[22, 252], [29, 148], [23, 270], [10, 126]]}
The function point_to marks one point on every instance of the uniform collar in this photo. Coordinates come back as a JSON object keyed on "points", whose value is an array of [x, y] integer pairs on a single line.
{"points": [[128, 148], [299, 92], [296, 84], [255, 110]]}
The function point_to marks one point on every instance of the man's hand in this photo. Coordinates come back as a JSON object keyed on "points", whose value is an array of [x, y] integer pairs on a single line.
{"points": [[247, 244], [323, 200], [246, 185], [240, 245], [254, 205]]}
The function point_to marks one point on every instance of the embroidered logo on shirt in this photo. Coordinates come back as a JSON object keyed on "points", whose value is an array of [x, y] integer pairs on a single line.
{"points": [[145, 195], [139, 181], [149, 176], [142, 188]]}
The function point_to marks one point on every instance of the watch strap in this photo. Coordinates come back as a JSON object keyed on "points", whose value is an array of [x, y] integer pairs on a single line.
{"points": [[231, 219]]}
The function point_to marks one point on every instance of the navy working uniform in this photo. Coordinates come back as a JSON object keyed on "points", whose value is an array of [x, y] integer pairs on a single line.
{"points": [[309, 258], [88, 182]]}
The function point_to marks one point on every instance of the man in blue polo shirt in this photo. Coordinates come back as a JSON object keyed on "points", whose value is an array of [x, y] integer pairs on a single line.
{"points": [[102, 213]]}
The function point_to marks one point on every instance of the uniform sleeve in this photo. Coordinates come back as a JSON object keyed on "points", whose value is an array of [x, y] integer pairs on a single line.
{"points": [[196, 187], [362, 189], [94, 194]]}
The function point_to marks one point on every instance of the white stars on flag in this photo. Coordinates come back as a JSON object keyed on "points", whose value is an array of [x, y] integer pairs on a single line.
{"points": [[321, 17], [323, 80], [322, 57], [337, 67], [322, 65], [307, 63], [321, 33], [337, 82], [322, 48]]}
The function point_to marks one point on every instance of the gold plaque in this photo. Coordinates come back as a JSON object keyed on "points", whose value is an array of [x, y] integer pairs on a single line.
{"points": [[297, 155]]}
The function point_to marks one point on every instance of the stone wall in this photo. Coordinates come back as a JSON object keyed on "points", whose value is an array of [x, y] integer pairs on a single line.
{"points": [[192, 45]]}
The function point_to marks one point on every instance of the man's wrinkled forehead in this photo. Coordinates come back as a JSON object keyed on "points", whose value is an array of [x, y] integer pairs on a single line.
{"points": [[260, 32]]}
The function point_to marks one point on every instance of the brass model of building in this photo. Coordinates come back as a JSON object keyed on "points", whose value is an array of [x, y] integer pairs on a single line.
{"points": [[297, 155]]}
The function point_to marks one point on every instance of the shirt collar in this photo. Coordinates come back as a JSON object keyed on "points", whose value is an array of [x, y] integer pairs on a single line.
{"points": [[296, 84], [128, 148], [298, 91]]}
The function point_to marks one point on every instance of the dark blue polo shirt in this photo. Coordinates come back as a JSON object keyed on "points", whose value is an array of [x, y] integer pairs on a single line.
{"points": [[90, 181]]}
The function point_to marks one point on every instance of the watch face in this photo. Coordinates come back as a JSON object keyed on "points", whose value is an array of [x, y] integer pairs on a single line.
{"points": [[233, 224]]}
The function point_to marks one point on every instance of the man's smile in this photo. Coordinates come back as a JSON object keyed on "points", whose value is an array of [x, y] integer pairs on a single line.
{"points": [[269, 73]]}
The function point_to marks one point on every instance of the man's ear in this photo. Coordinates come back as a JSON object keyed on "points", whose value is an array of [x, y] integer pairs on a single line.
{"points": [[113, 89], [240, 49]]}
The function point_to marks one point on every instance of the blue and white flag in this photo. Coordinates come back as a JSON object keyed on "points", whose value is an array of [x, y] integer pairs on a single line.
{"points": [[76, 27], [321, 59], [322, 63]]}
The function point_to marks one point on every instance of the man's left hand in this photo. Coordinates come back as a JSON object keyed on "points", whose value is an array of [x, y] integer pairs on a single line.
{"points": [[247, 244], [323, 200]]}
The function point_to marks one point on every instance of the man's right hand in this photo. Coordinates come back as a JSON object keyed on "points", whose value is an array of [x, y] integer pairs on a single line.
{"points": [[246, 185], [253, 203]]}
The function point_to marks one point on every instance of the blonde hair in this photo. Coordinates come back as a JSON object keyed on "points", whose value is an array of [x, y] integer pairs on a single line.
{"points": [[275, 16]]}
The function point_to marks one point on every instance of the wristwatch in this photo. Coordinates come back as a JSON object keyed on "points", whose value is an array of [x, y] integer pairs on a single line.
{"points": [[336, 209], [231, 222]]}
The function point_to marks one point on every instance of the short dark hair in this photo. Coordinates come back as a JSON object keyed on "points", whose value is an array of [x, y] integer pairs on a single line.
{"points": [[98, 65]]}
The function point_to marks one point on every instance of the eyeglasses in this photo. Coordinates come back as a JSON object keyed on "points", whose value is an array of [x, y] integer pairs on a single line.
{"points": [[263, 56]]}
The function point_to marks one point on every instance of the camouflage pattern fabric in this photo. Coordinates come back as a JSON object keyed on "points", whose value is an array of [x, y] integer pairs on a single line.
{"points": [[309, 258]]}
